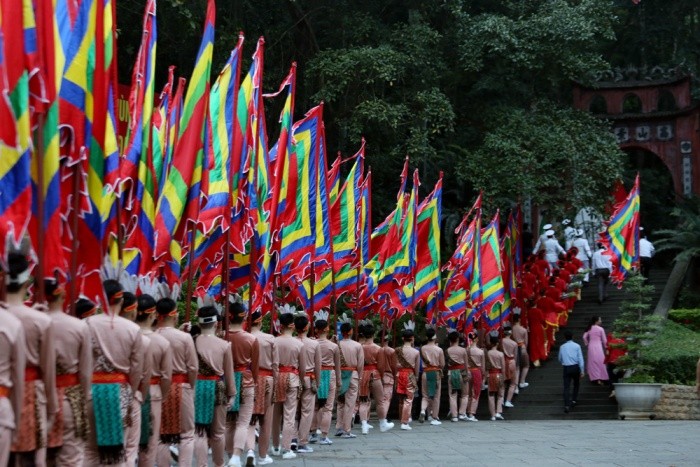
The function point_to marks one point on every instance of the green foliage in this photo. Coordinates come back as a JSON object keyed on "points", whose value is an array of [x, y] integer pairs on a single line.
{"points": [[673, 355], [688, 298], [689, 318], [573, 150], [685, 239]]}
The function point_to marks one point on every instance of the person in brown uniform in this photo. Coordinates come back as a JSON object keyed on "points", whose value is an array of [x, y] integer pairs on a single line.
{"points": [[352, 361], [267, 375], [158, 381], [476, 362], [431, 381], [389, 375], [292, 363], [177, 421], [133, 431], [307, 402], [408, 363], [68, 434], [214, 391], [522, 360], [458, 378], [510, 353], [330, 380], [12, 366], [495, 363], [117, 356], [245, 350], [371, 383], [39, 405]]}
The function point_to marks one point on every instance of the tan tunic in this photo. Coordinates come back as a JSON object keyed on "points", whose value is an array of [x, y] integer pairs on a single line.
{"points": [[267, 352], [40, 349], [520, 336], [412, 357], [457, 355], [433, 356], [73, 348], [374, 355], [477, 357], [121, 344], [510, 348], [312, 356], [161, 361], [184, 355], [12, 363], [217, 353], [245, 350], [353, 354], [391, 364], [290, 351], [496, 359], [330, 357]]}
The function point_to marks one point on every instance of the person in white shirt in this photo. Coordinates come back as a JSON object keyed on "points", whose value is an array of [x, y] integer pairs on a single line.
{"points": [[646, 251], [602, 267], [552, 249], [569, 233], [542, 238], [584, 252]]}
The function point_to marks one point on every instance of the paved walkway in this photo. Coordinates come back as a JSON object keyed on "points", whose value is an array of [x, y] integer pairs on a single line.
{"points": [[543, 443]]}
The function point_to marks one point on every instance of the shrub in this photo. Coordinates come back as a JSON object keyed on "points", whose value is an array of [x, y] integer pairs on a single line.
{"points": [[687, 317], [672, 356]]}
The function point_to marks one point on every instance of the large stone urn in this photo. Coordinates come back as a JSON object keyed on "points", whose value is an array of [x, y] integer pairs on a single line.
{"points": [[636, 401]]}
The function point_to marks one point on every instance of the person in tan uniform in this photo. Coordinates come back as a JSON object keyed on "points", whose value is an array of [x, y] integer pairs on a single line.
{"points": [[330, 381], [352, 361], [245, 350], [39, 405], [307, 403], [476, 362], [375, 364], [267, 375], [522, 360], [12, 366], [495, 363], [510, 354], [408, 364], [133, 431], [431, 381], [177, 420], [458, 378], [214, 391], [66, 440], [117, 356], [158, 380], [389, 375], [292, 363]]}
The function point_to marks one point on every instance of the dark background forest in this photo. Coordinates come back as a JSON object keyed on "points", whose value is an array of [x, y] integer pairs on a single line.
{"points": [[480, 89]]}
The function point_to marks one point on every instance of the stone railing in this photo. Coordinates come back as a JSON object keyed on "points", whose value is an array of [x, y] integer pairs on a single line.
{"points": [[678, 403]]}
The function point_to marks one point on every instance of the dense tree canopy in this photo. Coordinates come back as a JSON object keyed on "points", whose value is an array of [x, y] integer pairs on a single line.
{"points": [[478, 88]]}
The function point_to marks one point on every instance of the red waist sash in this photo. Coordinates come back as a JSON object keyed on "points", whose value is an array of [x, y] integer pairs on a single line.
{"points": [[32, 373], [289, 369], [67, 380], [155, 380], [456, 367], [4, 392], [495, 371], [264, 372], [431, 368], [180, 378], [101, 377]]}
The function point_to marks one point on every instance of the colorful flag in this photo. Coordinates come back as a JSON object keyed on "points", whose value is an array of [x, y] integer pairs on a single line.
{"points": [[178, 204], [492, 290], [511, 259], [621, 236]]}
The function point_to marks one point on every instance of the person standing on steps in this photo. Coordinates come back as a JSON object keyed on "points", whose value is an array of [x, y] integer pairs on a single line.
{"points": [[476, 360], [510, 352], [602, 267], [597, 345], [583, 253], [408, 362], [495, 363], [646, 251], [433, 363], [571, 359], [458, 378], [522, 361]]}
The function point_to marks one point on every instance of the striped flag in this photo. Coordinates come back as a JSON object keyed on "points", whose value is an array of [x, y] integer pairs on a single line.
{"points": [[492, 290], [621, 236], [178, 204]]}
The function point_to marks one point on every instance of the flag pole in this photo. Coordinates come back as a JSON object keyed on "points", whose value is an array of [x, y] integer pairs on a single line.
{"points": [[312, 282], [73, 288], [226, 265], [251, 280], [39, 292], [190, 276]]}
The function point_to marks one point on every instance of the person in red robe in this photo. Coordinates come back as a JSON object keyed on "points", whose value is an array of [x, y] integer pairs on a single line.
{"points": [[536, 325]]}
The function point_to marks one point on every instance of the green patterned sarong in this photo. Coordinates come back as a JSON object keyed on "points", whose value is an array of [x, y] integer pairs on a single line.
{"points": [[146, 428], [238, 376], [106, 403], [456, 380], [431, 380], [324, 385], [346, 377]]}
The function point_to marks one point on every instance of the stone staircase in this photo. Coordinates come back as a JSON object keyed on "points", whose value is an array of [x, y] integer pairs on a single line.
{"points": [[543, 399]]}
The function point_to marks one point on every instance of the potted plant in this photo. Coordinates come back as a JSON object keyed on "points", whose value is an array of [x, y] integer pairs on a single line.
{"points": [[638, 392]]}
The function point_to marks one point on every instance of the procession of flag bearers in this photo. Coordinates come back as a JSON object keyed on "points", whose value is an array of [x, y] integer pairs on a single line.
{"points": [[128, 385]]}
